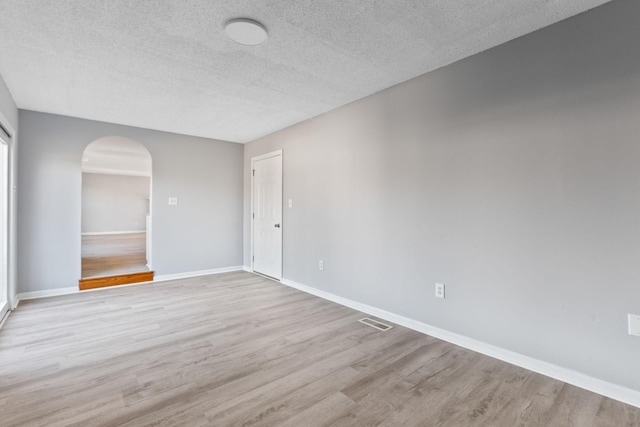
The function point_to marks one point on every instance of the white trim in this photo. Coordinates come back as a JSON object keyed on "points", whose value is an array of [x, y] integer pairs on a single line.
{"points": [[163, 278], [273, 279], [100, 233], [257, 159], [5, 212], [578, 379], [275, 153], [47, 293], [4, 318], [247, 268], [5, 309], [12, 213], [119, 172], [166, 277], [149, 238], [7, 125]]}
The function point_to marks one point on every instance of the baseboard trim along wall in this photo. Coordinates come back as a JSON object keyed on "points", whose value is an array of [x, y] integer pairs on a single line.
{"points": [[107, 233], [48, 293], [163, 278], [614, 391]]}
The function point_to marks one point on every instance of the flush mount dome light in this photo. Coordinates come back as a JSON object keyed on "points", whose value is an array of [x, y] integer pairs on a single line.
{"points": [[246, 31]]}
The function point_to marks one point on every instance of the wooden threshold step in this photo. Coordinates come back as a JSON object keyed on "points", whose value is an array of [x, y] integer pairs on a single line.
{"points": [[120, 279]]}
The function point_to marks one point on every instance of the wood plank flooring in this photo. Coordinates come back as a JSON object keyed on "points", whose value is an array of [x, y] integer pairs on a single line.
{"points": [[236, 349], [121, 279], [113, 254]]}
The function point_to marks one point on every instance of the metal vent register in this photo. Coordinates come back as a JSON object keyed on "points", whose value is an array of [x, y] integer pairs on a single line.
{"points": [[375, 324]]}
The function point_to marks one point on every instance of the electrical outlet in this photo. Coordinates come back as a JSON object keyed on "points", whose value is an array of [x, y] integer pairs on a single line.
{"points": [[173, 201], [634, 325], [440, 290], [321, 265], [290, 203]]}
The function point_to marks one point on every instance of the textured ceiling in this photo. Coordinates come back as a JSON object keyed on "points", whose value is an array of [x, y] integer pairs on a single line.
{"points": [[167, 64]]}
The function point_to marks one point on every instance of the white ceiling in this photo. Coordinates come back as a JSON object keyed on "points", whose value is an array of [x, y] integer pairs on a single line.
{"points": [[167, 64]]}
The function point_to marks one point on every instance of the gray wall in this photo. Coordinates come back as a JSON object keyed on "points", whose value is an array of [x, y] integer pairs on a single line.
{"points": [[512, 176], [114, 203], [203, 232]]}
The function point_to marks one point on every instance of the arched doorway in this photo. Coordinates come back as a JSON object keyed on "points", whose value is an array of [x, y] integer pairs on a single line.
{"points": [[116, 213]]}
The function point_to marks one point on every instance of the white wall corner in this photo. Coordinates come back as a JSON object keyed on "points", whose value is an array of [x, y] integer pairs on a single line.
{"points": [[578, 379]]}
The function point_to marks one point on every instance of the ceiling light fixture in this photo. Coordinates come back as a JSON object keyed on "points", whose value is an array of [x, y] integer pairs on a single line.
{"points": [[246, 31]]}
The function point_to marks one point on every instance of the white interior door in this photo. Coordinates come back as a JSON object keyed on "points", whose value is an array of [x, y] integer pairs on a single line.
{"points": [[267, 214]]}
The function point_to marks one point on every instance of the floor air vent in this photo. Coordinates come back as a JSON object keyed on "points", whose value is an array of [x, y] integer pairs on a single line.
{"points": [[375, 324]]}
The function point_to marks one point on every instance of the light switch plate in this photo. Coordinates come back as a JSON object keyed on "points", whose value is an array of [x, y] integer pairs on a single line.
{"points": [[634, 325]]}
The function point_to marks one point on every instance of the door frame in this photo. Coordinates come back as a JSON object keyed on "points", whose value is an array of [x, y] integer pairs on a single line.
{"points": [[253, 161], [8, 205]]}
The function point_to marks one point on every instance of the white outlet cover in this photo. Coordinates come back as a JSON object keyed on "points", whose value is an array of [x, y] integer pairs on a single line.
{"points": [[321, 265], [290, 203], [634, 325], [173, 201], [440, 290]]}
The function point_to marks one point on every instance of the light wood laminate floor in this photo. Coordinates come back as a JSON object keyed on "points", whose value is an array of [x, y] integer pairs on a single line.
{"points": [[113, 254], [236, 349]]}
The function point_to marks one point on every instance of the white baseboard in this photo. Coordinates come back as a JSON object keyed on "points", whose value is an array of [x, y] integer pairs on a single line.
{"points": [[247, 268], [165, 277], [104, 233], [578, 379], [47, 293]]}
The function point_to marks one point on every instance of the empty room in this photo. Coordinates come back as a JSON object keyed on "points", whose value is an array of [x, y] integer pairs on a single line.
{"points": [[303, 213]]}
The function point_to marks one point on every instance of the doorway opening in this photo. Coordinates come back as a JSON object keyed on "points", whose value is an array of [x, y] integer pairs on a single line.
{"points": [[116, 213], [266, 214]]}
